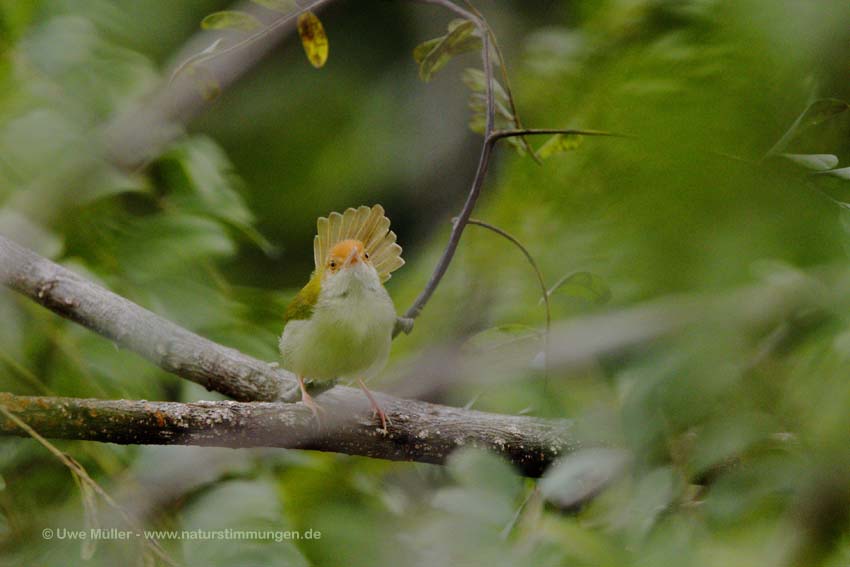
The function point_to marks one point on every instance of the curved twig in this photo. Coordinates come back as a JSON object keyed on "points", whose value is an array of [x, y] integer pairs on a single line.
{"points": [[540, 280]]}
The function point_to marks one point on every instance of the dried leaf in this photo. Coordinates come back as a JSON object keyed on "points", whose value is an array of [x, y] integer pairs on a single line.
{"points": [[313, 38], [230, 19]]}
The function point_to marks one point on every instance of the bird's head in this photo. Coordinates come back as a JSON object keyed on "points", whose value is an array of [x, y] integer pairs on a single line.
{"points": [[348, 263]]}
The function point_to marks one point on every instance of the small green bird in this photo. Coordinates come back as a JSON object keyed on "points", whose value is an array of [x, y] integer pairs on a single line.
{"points": [[340, 324]]}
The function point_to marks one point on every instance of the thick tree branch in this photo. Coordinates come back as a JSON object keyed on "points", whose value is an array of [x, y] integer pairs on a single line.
{"points": [[420, 432], [167, 345]]}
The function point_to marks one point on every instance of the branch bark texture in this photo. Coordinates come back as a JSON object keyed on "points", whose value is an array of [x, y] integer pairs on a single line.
{"points": [[420, 431]]}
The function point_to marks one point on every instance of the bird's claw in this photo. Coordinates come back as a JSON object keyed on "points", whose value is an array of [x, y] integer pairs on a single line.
{"points": [[385, 419], [376, 408], [308, 401], [315, 408]]}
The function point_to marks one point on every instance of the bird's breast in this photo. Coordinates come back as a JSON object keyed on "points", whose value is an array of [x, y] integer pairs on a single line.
{"points": [[348, 335]]}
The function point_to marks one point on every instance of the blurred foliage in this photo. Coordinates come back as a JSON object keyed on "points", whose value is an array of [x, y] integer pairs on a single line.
{"points": [[731, 439]]}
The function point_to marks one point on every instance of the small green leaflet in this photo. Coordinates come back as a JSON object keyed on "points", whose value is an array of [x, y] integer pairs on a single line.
{"points": [[432, 55], [815, 114], [822, 110], [560, 143], [476, 81], [282, 6], [584, 285], [230, 19]]}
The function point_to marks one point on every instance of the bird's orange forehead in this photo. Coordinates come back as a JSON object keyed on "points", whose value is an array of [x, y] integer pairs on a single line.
{"points": [[344, 248]]}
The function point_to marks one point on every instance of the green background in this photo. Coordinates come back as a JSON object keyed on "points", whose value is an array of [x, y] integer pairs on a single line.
{"points": [[737, 442]]}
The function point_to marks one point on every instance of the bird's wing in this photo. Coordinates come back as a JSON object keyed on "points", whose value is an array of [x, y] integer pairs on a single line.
{"points": [[301, 306], [370, 226]]}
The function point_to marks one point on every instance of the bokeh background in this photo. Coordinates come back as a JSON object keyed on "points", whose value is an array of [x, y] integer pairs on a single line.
{"points": [[732, 433]]}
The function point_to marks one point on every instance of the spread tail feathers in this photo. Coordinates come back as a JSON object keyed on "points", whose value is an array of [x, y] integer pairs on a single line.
{"points": [[369, 226]]}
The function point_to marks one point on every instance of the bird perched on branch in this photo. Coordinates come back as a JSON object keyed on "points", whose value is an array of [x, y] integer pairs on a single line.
{"points": [[340, 324]]}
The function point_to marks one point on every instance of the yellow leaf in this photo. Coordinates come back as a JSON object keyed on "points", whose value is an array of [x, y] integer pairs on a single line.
{"points": [[313, 38]]}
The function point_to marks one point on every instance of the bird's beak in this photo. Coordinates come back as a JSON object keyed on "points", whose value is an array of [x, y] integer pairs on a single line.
{"points": [[353, 258]]}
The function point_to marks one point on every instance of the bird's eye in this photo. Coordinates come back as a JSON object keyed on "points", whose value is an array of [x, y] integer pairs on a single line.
{"points": [[366, 255], [332, 265]]}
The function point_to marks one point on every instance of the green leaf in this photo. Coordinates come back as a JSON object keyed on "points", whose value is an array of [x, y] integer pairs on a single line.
{"points": [[423, 49], [433, 54], [482, 469], [576, 478], [560, 143], [486, 488], [724, 439], [817, 162], [230, 19], [249, 506], [584, 285], [170, 242], [476, 81], [282, 6], [206, 184], [822, 110], [815, 114], [654, 493]]}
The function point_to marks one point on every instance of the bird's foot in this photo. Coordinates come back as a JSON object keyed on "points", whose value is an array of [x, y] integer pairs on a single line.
{"points": [[308, 401], [376, 408], [317, 410]]}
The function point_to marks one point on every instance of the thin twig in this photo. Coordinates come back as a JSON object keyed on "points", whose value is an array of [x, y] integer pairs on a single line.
{"points": [[540, 280], [480, 173], [506, 80], [498, 135]]}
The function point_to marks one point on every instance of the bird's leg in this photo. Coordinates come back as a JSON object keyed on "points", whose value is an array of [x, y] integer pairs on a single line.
{"points": [[376, 409], [308, 401]]}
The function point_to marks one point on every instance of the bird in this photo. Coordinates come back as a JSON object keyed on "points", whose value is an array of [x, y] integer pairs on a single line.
{"points": [[340, 324]]}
